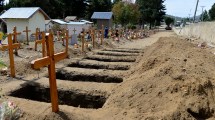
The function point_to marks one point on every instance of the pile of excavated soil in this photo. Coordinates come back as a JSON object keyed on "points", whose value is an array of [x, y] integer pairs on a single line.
{"points": [[173, 80]]}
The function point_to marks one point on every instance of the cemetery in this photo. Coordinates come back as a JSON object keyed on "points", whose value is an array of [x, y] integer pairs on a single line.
{"points": [[93, 69]]}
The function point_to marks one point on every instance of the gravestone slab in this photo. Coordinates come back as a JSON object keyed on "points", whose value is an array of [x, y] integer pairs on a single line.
{"points": [[74, 39]]}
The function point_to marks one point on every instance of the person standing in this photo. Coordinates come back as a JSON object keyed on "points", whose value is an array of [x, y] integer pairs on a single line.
{"points": [[1, 37], [106, 32]]}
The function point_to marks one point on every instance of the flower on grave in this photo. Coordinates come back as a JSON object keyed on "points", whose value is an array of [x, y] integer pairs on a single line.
{"points": [[9, 111]]}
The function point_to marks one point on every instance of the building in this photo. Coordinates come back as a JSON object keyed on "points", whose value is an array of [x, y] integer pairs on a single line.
{"points": [[48, 25], [71, 18], [78, 26], [103, 18], [32, 17], [3, 26]]}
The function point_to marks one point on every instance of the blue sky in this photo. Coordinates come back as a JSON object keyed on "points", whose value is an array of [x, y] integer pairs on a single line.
{"points": [[183, 8]]}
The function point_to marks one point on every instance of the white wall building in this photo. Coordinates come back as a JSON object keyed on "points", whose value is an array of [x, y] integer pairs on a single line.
{"points": [[78, 26], [33, 17]]}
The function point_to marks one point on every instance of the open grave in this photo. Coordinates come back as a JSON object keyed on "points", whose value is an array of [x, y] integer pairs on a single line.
{"points": [[37, 92], [111, 58], [90, 75], [116, 53], [124, 50], [93, 64]]}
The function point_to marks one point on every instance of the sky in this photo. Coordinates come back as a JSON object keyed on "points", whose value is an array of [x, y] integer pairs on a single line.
{"points": [[182, 8]]}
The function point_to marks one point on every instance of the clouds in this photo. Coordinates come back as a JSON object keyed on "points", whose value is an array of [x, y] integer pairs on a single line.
{"points": [[183, 8]]}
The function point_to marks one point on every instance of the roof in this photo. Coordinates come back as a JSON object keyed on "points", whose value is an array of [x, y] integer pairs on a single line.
{"points": [[86, 21], [102, 15], [70, 18], [22, 13], [59, 21], [47, 21]]}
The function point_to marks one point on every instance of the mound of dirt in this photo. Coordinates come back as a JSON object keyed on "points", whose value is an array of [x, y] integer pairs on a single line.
{"points": [[173, 80]]}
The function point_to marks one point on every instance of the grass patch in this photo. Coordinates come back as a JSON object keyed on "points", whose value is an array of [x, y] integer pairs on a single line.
{"points": [[2, 64]]}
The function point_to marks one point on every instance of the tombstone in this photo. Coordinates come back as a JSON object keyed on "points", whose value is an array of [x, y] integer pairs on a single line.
{"points": [[74, 39]]}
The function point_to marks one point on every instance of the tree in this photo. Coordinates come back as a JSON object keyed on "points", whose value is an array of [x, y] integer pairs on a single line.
{"points": [[54, 8], [212, 12], [168, 21], [97, 6], [1, 5], [205, 16], [152, 11], [125, 13]]}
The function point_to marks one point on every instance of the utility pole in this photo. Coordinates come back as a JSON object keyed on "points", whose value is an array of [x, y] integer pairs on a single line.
{"points": [[202, 13], [194, 17], [189, 18]]}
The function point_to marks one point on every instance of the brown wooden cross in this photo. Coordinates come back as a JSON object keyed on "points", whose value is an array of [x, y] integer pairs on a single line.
{"points": [[102, 34], [27, 30], [66, 37], [93, 36], [82, 41], [10, 48], [15, 33], [50, 60], [42, 41], [36, 38]]}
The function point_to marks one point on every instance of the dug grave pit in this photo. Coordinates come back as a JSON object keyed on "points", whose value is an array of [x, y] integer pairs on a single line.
{"points": [[111, 58], [73, 98], [124, 50], [93, 64], [68, 74], [110, 53]]}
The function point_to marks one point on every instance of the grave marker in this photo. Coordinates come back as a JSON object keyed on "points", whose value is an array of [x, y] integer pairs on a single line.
{"points": [[27, 30], [15, 33], [102, 34], [42, 41], [82, 41], [10, 48], [93, 36], [74, 38], [36, 38], [50, 60]]}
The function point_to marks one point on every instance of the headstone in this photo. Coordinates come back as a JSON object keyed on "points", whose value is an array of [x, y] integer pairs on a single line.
{"points": [[74, 39]]}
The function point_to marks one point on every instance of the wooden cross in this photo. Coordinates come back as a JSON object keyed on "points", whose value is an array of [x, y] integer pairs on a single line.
{"points": [[50, 60], [67, 39], [82, 41], [26, 30], [15, 33], [93, 36], [10, 48], [74, 30], [36, 38], [42, 41], [102, 34]]}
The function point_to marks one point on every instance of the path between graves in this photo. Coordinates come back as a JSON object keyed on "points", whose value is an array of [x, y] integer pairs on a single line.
{"points": [[84, 84]]}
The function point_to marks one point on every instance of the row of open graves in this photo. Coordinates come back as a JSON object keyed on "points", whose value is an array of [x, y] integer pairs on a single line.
{"points": [[85, 82]]}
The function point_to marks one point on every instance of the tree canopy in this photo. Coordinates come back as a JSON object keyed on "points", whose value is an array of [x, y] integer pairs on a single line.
{"points": [[152, 11], [63, 8], [144, 11], [168, 21], [205, 16], [212, 12], [126, 13]]}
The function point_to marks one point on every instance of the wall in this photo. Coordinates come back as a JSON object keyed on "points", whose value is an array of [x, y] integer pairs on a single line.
{"points": [[205, 31], [20, 26], [37, 21]]}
